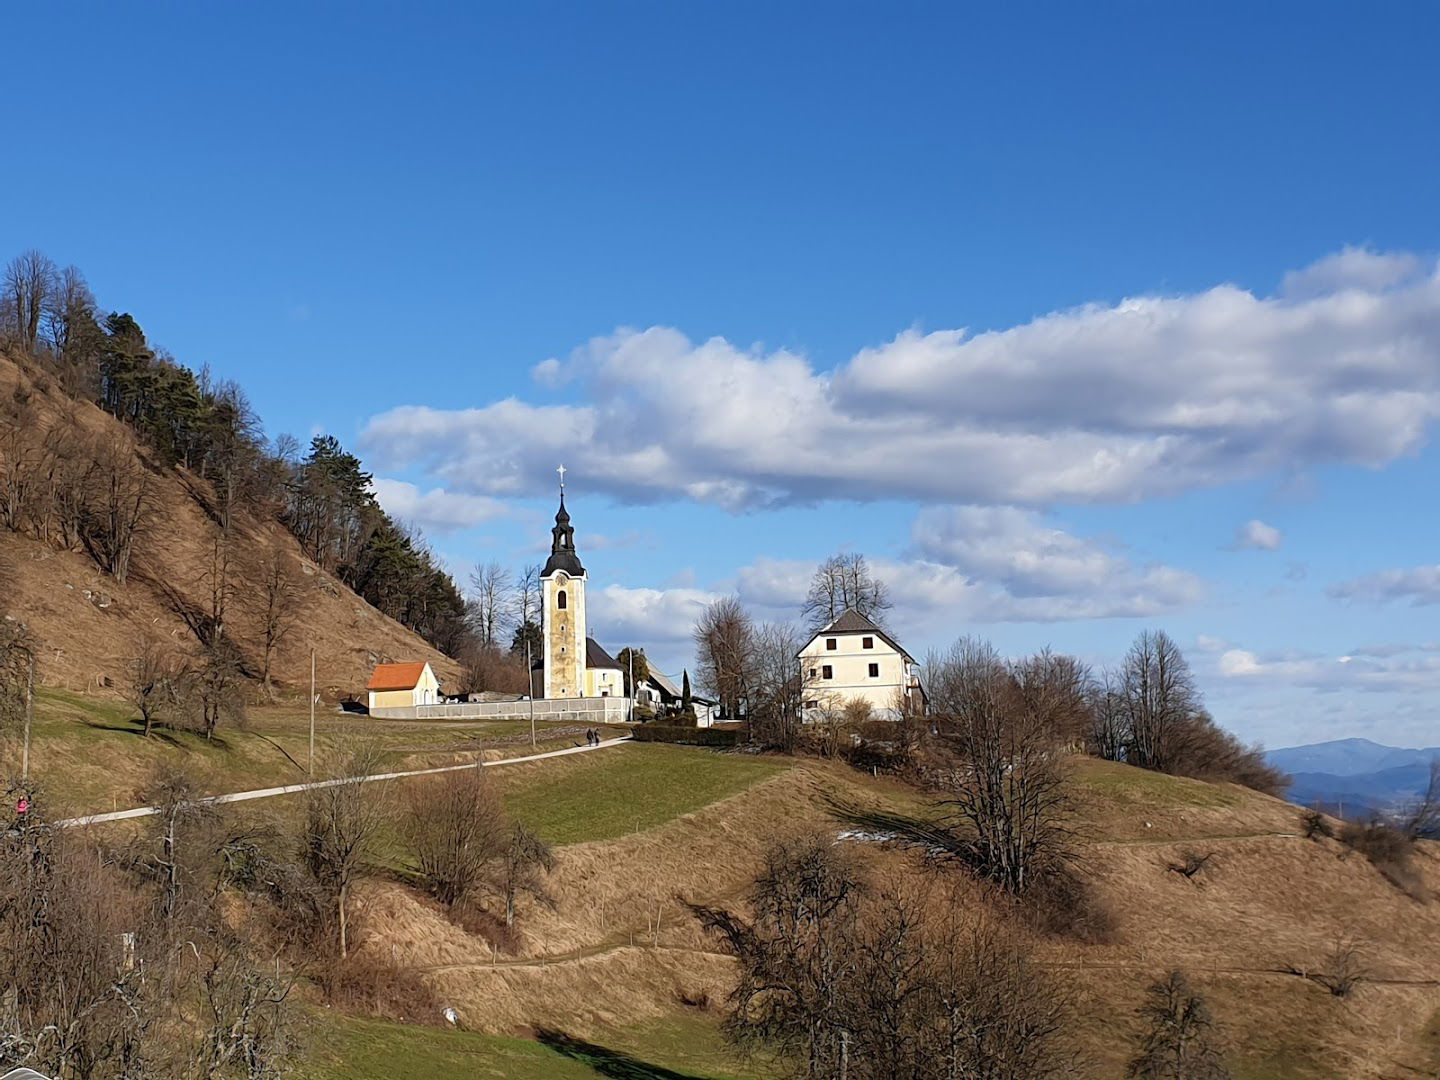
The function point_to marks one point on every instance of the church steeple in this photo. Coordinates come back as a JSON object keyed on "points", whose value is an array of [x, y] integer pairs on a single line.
{"points": [[562, 543], [563, 610]]}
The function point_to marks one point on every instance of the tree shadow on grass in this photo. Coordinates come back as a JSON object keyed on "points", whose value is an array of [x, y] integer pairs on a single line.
{"points": [[931, 838], [605, 1061], [158, 734]]}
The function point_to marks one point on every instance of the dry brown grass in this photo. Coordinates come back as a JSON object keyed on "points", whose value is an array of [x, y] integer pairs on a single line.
{"points": [[617, 949], [92, 628]]}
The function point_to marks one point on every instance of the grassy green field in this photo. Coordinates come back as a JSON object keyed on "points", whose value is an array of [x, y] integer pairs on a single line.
{"points": [[1122, 786], [627, 789], [88, 754], [682, 1048]]}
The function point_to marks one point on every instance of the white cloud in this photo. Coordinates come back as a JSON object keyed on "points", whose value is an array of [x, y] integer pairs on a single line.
{"points": [[619, 616], [775, 583], [1419, 584], [1015, 567], [1387, 669], [1255, 535], [1153, 395], [1350, 268], [436, 510]]}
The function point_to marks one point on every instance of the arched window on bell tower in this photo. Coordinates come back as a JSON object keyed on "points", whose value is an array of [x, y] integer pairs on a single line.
{"points": [[560, 600]]}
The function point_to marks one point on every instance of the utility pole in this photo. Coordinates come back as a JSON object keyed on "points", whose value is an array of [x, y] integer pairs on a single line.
{"points": [[529, 668], [530, 681], [631, 657], [29, 715], [310, 761]]}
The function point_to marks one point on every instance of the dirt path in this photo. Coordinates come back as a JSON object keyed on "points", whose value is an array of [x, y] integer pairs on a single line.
{"points": [[290, 789]]}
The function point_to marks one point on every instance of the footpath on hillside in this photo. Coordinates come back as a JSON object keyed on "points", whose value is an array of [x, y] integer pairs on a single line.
{"points": [[290, 789]]}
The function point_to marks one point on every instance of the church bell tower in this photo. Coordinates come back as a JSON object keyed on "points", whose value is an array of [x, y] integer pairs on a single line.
{"points": [[563, 586]]}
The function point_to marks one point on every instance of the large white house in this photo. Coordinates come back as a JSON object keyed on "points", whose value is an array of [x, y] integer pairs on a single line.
{"points": [[853, 659]]}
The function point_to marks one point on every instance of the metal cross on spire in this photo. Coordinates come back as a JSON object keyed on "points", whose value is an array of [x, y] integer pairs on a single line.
{"points": [[561, 471]]}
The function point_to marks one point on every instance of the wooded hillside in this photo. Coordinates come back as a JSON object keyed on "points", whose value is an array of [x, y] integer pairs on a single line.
{"points": [[145, 515]]}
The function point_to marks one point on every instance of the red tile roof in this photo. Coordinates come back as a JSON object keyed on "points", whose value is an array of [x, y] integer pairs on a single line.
{"points": [[396, 676]]}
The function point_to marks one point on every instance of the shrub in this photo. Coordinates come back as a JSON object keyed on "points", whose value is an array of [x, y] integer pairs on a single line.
{"points": [[690, 736], [1388, 849], [455, 828], [370, 983], [1343, 969], [1316, 826], [1191, 863]]}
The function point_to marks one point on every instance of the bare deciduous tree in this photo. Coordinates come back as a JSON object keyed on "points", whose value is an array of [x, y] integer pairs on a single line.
{"points": [[217, 686], [276, 605], [118, 505], [72, 304], [844, 581], [841, 979], [20, 462], [491, 601], [1159, 699], [17, 674], [154, 686], [1181, 1041], [455, 827], [342, 824], [776, 698], [1343, 968], [725, 648], [525, 596], [524, 862], [1423, 821], [1008, 798], [797, 963], [29, 293]]}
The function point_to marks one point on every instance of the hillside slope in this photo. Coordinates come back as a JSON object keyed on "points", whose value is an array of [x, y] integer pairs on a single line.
{"points": [[619, 954], [91, 627]]}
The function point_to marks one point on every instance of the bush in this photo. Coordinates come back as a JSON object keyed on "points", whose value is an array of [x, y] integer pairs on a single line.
{"points": [[369, 983], [1344, 968], [690, 736], [1389, 850], [1205, 751], [1316, 826]]}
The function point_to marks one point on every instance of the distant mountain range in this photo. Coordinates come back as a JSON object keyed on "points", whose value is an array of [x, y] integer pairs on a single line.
{"points": [[1354, 775]]}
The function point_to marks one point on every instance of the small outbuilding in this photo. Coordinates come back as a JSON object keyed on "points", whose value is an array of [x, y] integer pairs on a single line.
{"points": [[402, 686]]}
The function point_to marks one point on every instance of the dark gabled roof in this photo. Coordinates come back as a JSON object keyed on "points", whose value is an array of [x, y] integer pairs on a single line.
{"points": [[596, 657], [562, 546], [851, 621]]}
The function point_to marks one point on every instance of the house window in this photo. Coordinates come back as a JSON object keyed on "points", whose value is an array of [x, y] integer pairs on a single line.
{"points": [[561, 600], [874, 671], [827, 672], [813, 673], [867, 643], [830, 643]]}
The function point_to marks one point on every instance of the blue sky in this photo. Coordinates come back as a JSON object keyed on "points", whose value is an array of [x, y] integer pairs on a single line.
{"points": [[717, 260]]}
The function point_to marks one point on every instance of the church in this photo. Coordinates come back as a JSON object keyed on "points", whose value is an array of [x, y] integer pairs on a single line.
{"points": [[573, 664]]}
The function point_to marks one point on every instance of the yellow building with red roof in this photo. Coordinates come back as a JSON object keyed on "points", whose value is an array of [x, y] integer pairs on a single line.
{"points": [[402, 686]]}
